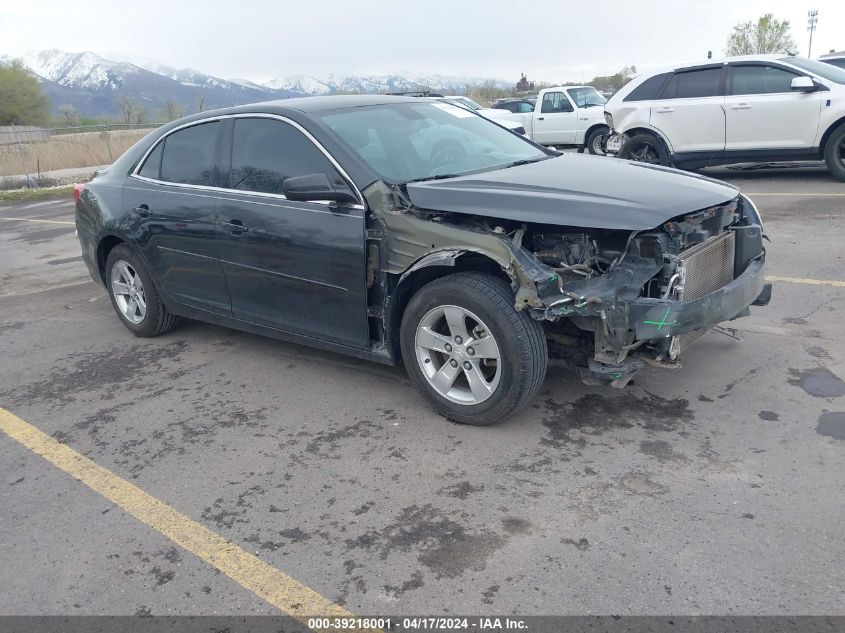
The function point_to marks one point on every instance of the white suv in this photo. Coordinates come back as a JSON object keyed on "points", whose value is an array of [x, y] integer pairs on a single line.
{"points": [[742, 109]]}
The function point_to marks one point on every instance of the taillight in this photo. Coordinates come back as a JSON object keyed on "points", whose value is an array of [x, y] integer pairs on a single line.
{"points": [[77, 191]]}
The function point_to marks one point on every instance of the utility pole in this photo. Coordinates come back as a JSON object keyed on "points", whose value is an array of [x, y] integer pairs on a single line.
{"points": [[812, 20]]}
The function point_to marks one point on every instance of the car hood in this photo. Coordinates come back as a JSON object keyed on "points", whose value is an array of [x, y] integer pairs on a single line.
{"points": [[576, 190]]}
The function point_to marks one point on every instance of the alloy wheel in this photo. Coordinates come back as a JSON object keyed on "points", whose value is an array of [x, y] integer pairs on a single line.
{"points": [[458, 355], [128, 291]]}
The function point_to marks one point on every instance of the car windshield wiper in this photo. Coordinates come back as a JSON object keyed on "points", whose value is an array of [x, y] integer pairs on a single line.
{"points": [[524, 161], [436, 177]]}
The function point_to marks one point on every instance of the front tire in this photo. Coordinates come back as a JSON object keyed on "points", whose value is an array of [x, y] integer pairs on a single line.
{"points": [[133, 295], [595, 143], [834, 153], [466, 348], [645, 148]]}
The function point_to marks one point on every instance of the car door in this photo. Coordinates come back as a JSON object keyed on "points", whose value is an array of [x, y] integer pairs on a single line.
{"points": [[763, 112], [557, 122], [690, 110], [173, 214], [294, 266]]}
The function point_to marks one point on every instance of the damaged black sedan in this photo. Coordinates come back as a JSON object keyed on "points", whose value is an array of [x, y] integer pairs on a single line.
{"points": [[411, 230]]}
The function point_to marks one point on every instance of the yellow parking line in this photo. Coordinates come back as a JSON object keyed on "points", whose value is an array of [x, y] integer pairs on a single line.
{"points": [[247, 570], [34, 220], [811, 282]]}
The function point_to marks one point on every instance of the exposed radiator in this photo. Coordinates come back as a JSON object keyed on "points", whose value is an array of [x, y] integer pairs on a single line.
{"points": [[706, 268]]}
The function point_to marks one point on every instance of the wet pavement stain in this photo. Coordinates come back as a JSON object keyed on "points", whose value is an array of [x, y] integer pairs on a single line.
{"points": [[416, 582], [640, 483], [769, 416], [595, 414], [832, 424], [489, 593], [460, 490], [581, 544], [362, 428], [819, 382], [516, 525], [662, 452], [114, 369], [38, 237], [442, 545]]}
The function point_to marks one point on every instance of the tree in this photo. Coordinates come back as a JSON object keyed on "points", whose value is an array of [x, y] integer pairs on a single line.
{"points": [[202, 104], [127, 108], [70, 115], [172, 111], [22, 102], [768, 35]]}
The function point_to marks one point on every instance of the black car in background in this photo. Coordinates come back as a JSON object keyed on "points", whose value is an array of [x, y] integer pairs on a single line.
{"points": [[399, 229]]}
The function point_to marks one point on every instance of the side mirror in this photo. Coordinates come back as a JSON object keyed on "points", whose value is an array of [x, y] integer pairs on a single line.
{"points": [[803, 84], [315, 187]]}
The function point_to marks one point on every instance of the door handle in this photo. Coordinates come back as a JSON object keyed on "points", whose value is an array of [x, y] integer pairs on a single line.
{"points": [[664, 110], [142, 211], [741, 106], [236, 227], [541, 118]]}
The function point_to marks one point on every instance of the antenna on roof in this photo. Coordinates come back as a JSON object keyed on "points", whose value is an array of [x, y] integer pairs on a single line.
{"points": [[709, 54]]}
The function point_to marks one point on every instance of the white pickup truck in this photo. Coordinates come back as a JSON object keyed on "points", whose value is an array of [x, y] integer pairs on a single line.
{"points": [[566, 115]]}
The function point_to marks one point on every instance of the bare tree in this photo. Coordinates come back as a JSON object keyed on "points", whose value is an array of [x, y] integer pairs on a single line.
{"points": [[172, 111], [767, 35], [70, 115], [127, 108], [202, 104], [140, 114]]}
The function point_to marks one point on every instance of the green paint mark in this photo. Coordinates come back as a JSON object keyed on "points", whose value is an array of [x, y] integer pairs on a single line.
{"points": [[616, 375], [662, 321]]}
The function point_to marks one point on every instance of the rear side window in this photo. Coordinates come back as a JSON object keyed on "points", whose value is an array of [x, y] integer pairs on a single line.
{"points": [[188, 155], [555, 102], [152, 166], [840, 63], [693, 83], [265, 152], [760, 80], [648, 89], [523, 107]]}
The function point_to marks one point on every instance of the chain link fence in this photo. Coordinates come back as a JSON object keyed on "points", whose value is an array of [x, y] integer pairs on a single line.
{"points": [[32, 156]]}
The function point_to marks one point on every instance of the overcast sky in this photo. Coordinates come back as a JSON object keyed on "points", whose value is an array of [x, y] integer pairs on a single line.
{"points": [[549, 41]]}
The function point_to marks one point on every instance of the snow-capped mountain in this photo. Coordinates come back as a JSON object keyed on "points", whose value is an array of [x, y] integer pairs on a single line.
{"points": [[94, 85]]}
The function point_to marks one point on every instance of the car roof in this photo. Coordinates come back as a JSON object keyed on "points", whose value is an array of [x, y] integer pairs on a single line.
{"points": [[833, 55]]}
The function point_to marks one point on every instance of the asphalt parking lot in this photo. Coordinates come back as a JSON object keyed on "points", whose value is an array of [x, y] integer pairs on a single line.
{"points": [[714, 489]]}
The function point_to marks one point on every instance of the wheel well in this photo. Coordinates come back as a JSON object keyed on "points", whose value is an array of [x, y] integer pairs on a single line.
{"points": [[103, 249], [593, 128], [830, 130], [417, 279], [650, 132]]}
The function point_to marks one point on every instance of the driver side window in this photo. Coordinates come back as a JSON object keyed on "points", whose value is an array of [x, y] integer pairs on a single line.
{"points": [[554, 102], [265, 152]]}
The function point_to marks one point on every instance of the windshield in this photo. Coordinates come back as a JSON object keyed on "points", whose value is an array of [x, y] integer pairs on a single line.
{"points": [[422, 140], [826, 71], [586, 97]]}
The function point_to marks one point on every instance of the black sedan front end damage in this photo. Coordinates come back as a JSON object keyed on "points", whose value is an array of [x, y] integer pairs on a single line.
{"points": [[650, 301], [613, 295]]}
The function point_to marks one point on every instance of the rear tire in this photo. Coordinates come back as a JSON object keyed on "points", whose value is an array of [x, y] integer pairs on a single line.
{"points": [[834, 153], [466, 348], [133, 295], [596, 140], [645, 148]]}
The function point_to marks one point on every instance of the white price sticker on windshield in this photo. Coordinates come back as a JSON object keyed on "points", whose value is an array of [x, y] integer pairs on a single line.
{"points": [[456, 111]]}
